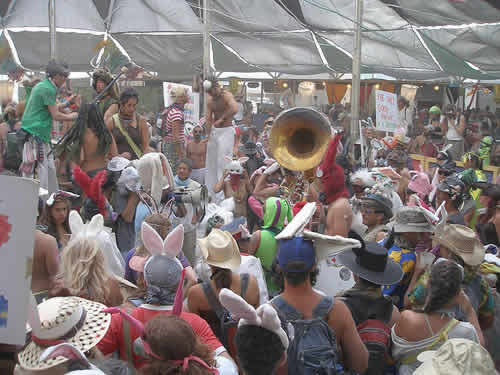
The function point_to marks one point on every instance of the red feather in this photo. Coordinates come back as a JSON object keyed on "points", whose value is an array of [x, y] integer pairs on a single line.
{"points": [[92, 187]]}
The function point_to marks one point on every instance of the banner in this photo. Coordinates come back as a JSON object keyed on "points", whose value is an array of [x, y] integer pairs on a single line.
{"points": [[17, 236], [387, 111], [192, 107]]}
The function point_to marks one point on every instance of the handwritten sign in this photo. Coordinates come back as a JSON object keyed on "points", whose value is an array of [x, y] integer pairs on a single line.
{"points": [[17, 236], [387, 111], [192, 107]]}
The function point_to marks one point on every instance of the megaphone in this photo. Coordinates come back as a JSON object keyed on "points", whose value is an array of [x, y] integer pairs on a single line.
{"points": [[197, 197]]}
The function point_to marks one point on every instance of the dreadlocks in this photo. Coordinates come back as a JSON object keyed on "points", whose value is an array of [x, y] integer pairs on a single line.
{"points": [[89, 117]]}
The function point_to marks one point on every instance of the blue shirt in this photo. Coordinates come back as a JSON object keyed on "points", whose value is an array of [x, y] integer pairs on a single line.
{"points": [[406, 259]]}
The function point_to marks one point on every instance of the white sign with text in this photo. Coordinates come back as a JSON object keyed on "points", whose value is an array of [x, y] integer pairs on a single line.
{"points": [[387, 111], [18, 206]]}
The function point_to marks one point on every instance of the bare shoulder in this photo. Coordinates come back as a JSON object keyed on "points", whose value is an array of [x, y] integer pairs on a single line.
{"points": [[44, 241], [338, 316], [194, 292], [341, 205]]}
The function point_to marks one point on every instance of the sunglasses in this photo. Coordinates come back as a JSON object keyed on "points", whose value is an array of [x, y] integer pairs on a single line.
{"points": [[444, 172], [370, 211], [269, 122], [197, 132]]}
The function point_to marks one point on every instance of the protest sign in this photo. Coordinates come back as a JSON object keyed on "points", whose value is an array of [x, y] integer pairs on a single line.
{"points": [[387, 111], [191, 109], [18, 205]]}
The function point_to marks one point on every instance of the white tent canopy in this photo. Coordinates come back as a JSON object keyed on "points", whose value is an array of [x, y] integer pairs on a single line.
{"points": [[405, 39]]}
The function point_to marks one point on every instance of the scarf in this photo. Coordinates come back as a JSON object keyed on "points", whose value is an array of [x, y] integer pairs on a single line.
{"points": [[179, 182], [235, 179]]}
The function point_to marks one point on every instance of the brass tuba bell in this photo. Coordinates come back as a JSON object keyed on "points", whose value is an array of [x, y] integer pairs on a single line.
{"points": [[299, 138]]}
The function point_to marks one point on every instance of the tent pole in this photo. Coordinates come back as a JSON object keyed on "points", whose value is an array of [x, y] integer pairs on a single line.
{"points": [[52, 28], [356, 75], [206, 51]]}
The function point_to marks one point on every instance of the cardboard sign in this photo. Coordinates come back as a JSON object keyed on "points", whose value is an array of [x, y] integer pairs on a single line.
{"points": [[192, 107], [18, 206], [387, 111]]}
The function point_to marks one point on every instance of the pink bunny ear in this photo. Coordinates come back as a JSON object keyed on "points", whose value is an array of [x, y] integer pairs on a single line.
{"points": [[179, 295], [133, 321], [243, 160], [151, 239], [137, 263], [228, 158], [172, 245], [65, 350]]}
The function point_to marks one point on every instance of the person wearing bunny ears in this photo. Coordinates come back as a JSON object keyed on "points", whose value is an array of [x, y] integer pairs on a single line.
{"points": [[87, 263], [235, 184], [164, 280], [261, 342]]}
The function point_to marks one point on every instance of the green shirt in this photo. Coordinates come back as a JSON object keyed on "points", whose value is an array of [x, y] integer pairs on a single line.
{"points": [[37, 119]]}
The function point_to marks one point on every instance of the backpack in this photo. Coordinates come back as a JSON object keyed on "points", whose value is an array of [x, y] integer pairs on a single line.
{"points": [[376, 335], [227, 325], [372, 317], [313, 350], [12, 157]]}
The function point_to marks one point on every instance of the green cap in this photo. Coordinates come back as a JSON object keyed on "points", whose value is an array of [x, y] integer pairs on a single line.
{"points": [[435, 110]]}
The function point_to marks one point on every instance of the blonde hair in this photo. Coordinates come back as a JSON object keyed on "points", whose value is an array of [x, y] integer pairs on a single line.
{"points": [[84, 270]]}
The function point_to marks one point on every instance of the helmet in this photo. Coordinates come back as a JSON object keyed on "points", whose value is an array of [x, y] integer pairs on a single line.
{"points": [[434, 110]]}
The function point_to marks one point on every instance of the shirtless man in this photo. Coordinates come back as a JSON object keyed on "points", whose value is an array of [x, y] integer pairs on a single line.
{"points": [[96, 142], [221, 108], [196, 150], [333, 193]]}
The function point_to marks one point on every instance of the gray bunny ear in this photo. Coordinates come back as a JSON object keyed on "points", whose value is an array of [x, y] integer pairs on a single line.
{"points": [[238, 307]]}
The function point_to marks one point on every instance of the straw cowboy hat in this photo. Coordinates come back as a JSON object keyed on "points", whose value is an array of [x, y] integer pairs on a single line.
{"points": [[73, 320], [219, 249], [456, 357], [462, 241]]}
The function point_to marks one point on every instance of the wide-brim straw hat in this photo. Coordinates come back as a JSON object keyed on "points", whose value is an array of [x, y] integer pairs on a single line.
{"points": [[462, 241], [74, 320], [219, 249], [456, 357]]}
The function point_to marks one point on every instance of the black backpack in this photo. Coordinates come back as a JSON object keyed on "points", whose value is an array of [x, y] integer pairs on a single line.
{"points": [[313, 350], [227, 328], [12, 157]]}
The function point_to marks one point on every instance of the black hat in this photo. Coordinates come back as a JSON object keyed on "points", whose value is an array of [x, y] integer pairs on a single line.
{"points": [[249, 148], [383, 202], [371, 263], [451, 185]]}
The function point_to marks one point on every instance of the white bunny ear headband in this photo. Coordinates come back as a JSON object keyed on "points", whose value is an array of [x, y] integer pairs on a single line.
{"points": [[265, 316], [170, 247], [58, 194], [79, 229], [70, 352]]}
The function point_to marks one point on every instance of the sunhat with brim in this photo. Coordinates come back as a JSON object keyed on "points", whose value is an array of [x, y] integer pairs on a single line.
{"points": [[219, 249], [378, 200], [411, 220], [462, 241], [456, 357], [74, 320], [371, 263]]}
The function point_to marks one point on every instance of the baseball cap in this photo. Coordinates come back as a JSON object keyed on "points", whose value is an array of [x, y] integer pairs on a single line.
{"points": [[297, 250], [450, 185]]}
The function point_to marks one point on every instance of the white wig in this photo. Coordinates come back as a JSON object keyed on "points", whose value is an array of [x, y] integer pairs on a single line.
{"points": [[365, 176]]}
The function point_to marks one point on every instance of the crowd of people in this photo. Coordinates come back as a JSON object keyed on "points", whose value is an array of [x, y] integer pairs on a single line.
{"points": [[202, 254]]}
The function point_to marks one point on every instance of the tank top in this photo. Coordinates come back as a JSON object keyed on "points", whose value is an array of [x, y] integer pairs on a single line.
{"points": [[452, 134], [266, 252], [134, 134]]}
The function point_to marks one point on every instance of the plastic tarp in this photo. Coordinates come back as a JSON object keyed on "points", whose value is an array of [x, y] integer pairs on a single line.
{"points": [[408, 38]]}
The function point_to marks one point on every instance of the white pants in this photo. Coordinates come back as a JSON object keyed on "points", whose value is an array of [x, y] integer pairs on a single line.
{"points": [[220, 145], [199, 175], [45, 170]]}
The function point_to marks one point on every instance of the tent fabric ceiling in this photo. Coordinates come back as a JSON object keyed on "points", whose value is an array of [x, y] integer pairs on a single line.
{"points": [[403, 38]]}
